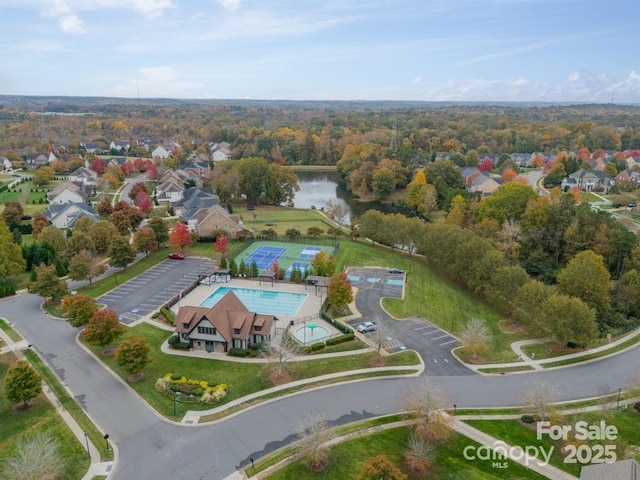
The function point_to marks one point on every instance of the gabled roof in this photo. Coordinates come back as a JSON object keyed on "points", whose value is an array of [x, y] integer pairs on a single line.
{"points": [[229, 316], [216, 209], [67, 185], [79, 210], [83, 172], [581, 173]]}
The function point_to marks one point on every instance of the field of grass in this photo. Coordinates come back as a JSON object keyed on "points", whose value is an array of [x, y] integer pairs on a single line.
{"points": [[348, 458], [281, 220], [431, 297], [514, 432], [241, 378], [13, 335], [30, 200], [39, 416]]}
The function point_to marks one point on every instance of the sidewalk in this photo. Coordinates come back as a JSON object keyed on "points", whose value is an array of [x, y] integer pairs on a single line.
{"points": [[539, 364], [96, 467]]}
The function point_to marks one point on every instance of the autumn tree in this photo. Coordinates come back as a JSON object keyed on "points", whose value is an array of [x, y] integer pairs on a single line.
{"points": [[314, 434], [180, 237], [48, 284], [22, 383], [121, 253], [39, 221], [36, 456], [79, 308], [427, 405], [133, 355], [540, 399], [587, 278], [476, 336], [380, 468], [54, 237], [221, 245], [568, 318], [419, 454], [508, 202], [103, 328], [314, 232], [104, 208], [79, 242], [339, 290], [43, 175], [143, 202], [98, 166], [323, 266], [12, 214], [144, 240], [336, 210]]}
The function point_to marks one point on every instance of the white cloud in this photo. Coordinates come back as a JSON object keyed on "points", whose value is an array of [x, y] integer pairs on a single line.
{"points": [[150, 8], [155, 82], [573, 77], [230, 4], [417, 80], [71, 23]]}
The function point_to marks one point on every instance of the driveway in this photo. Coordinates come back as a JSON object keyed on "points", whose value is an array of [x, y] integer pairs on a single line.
{"points": [[146, 292], [433, 344]]}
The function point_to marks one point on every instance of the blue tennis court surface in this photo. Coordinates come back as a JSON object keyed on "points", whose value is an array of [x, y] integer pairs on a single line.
{"points": [[309, 252], [395, 282], [265, 256], [353, 278], [302, 266]]}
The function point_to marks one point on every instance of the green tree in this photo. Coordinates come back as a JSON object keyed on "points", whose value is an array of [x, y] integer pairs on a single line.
{"points": [[282, 185], [587, 278], [22, 383], [11, 259], [121, 253], [133, 355], [292, 233], [339, 290], [160, 228], [380, 468], [103, 328], [255, 177], [568, 318], [83, 225], [314, 232], [48, 284], [79, 308], [508, 202], [54, 237], [79, 242], [383, 182]]}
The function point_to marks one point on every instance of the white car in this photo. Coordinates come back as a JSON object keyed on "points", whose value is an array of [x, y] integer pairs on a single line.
{"points": [[366, 327]]}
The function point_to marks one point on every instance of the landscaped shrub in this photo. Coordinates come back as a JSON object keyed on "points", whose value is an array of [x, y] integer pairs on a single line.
{"points": [[347, 337], [636, 406], [238, 352], [168, 315], [215, 394], [173, 339], [527, 419], [162, 385], [6, 289], [175, 376], [191, 388], [576, 345], [317, 346], [181, 346]]}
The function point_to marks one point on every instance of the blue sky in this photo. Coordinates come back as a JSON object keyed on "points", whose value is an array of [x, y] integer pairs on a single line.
{"points": [[455, 50]]}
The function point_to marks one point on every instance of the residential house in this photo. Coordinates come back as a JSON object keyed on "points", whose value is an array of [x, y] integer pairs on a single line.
{"points": [[200, 170], [85, 176], [480, 182], [588, 180], [146, 143], [216, 217], [628, 176], [443, 156], [522, 159], [228, 324], [67, 214], [632, 162], [60, 148], [115, 161], [194, 200], [162, 152], [39, 159], [170, 187], [621, 470], [221, 152], [6, 164], [122, 145], [598, 163], [67, 192], [90, 147]]}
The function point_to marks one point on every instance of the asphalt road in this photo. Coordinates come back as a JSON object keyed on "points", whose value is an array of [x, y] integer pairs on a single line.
{"points": [[433, 344], [150, 448], [146, 292]]}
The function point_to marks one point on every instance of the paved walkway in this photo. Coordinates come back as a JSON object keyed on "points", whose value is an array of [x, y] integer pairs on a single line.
{"points": [[96, 467], [538, 364]]}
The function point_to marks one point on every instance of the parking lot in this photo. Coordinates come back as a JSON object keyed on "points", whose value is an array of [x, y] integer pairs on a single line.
{"points": [[148, 291], [433, 344]]}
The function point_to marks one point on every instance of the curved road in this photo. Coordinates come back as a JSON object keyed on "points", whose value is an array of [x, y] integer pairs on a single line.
{"points": [[151, 448]]}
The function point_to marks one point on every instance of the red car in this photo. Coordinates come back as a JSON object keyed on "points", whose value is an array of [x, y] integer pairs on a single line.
{"points": [[176, 256]]}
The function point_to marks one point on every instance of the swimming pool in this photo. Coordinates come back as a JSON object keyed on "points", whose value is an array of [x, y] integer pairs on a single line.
{"points": [[267, 302]]}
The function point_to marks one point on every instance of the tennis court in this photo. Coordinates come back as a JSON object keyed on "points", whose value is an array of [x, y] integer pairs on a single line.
{"points": [[265, 256], [287, 255]]}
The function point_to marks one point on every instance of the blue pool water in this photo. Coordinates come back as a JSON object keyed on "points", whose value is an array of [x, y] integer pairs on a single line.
{"points": [[267, 302]]}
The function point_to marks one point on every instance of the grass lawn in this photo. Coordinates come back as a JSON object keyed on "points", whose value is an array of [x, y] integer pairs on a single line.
{"points": [[39, 416], [281, 219], [431, 297], [241, 378], [30, 200], [13, 335], [348, 458], [106, 284], [515, 432]]}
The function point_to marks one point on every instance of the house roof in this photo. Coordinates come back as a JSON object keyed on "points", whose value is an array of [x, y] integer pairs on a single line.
{"points": [[67, 185], [622, 470], [73, 211], [582, 173], [216, 209], [229, 316], [83, 172]]}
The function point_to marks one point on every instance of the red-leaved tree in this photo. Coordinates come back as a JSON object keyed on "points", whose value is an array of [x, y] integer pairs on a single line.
{"points": [[486, 165], [222, 244], [143, 202], [180, 236], [98, 166], [127, 168]]}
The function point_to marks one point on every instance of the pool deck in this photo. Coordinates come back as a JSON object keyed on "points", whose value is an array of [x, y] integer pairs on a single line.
{"points": [[310, 305]]}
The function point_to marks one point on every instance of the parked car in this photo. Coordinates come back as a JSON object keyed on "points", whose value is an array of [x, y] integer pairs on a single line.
{"points": [[176, 256], [366, 327], [632, 205], [396, 270]]}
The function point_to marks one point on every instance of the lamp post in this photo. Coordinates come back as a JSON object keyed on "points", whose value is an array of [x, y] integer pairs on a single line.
{"points": [[176, 399], [106, 440], [618, 403], [86, 438]]}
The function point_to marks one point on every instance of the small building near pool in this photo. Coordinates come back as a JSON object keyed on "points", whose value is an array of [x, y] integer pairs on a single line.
{"points": [[228, 324]]}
